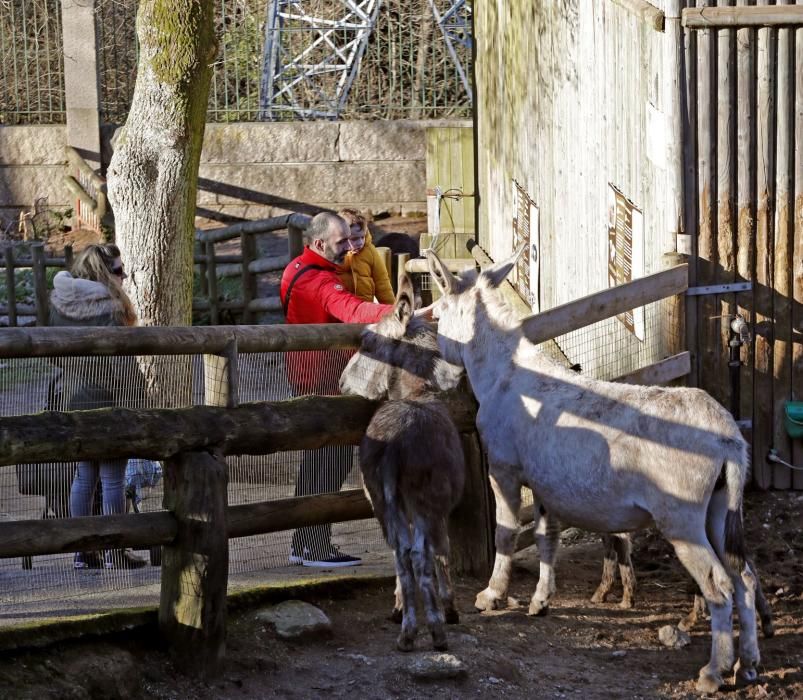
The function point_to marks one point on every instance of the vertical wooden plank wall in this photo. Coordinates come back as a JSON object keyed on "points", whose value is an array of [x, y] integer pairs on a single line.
{"points": [[782, 281], [797, 257], [747, 125]]}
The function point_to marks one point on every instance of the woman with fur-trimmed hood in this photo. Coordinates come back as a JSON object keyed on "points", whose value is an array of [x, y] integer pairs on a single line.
{"points": [[92, 295]]}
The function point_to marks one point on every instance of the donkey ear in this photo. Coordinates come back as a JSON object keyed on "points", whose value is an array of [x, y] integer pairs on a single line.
{"points": [[494, 275], [445, 280], [405, 302]]}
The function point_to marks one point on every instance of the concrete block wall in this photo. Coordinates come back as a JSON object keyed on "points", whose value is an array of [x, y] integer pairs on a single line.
{"points": [[253, 170]]}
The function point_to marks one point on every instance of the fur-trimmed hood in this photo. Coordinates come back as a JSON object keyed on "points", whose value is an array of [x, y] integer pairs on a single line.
{"points": [[82, 300]]}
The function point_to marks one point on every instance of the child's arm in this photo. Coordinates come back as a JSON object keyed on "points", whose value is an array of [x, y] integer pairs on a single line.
{"points": [[383, 290]]}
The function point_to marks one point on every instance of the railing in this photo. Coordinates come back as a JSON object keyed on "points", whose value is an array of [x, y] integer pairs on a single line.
{"points": [[193, 442]]}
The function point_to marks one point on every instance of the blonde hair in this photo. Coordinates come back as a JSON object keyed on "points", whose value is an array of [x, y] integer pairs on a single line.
{"points": [[354, 216], [95, 263]]}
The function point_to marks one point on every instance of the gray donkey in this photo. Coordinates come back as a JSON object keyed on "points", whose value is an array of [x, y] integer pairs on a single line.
{"points": [[411, 459], [604, 457]]}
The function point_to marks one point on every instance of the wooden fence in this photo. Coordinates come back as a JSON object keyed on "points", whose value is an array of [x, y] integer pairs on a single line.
{"points": [[193, 442]]}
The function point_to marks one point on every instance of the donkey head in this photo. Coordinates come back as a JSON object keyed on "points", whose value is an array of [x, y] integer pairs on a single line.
{"points": [[398, 357], [456, 310]]}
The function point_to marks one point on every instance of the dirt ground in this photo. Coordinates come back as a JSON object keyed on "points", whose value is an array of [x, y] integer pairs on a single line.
{"points": [[578, 650]]}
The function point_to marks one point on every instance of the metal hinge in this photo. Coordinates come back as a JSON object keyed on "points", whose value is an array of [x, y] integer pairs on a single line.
{"points": [[719, 289]]}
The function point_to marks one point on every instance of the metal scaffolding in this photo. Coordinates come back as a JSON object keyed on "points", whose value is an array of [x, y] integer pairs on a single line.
{"points": [[313, 49]]}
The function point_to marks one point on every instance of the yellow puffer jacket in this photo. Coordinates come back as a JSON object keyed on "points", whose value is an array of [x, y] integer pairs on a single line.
{"points": [[364, 274]]}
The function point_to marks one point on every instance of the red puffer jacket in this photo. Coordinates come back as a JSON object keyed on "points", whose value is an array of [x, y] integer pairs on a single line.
{"points": [[318, 296]]}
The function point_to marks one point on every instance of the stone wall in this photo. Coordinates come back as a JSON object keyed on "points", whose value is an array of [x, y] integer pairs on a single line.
{"points": [[252, 170]]}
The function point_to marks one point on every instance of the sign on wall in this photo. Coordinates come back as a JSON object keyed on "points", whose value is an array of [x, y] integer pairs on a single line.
{"points": [[526, 229], [625, 251]]}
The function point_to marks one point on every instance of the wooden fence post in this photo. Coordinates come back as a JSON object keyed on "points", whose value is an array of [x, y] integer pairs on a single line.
{"points": [[39, 283], [68, 257], [195, 567], [211, 274], [248, 246], [221, 377], [295, 241], [202, 278], [402, 259], [11, 287], [471, 526]]}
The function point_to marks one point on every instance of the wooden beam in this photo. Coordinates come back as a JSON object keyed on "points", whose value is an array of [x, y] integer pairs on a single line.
{"points": [[610, 302], [737, 17], [304, 423], [175, 340], [20, 538], [55, 536], [276, 223], [452, 264], [650, 14], [659, 372]]}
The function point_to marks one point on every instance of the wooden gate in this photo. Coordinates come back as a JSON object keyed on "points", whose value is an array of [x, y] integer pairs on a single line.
{"points": [[743, 162]]}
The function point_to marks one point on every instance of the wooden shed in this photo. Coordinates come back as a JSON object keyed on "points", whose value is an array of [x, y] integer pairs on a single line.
{"points": [[620, 136]]}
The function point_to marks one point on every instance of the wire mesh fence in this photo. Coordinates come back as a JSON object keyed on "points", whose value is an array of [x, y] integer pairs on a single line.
{"points": [[31, 62], [39, 491], [407, 68]]}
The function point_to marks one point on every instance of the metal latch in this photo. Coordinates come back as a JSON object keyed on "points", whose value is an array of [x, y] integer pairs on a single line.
{"points": [[719, 289]]}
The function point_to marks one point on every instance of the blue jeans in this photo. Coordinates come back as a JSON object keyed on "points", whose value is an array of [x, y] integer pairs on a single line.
{"points": [[112, 479]]}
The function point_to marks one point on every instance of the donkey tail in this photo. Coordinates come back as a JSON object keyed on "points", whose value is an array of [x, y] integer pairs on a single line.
{"points": [[735, 473]]}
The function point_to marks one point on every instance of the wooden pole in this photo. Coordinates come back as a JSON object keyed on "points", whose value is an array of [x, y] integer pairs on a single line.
{"points": [[471, 536], [295, 241], [401, 270], [195, 567], [68, 257], [211, 273], [726, 159], [40, 283], [200, 257], [248, 245], [765, 259], [782, 278], [305, 423], [610, 302], [746, 205], [11, 286], [714, 17]]}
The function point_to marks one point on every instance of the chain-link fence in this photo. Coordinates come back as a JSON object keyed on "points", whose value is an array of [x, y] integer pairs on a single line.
{"points": [[407, 69]]}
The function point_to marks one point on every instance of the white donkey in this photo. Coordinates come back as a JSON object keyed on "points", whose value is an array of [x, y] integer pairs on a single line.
{"points": [[604, 457]]}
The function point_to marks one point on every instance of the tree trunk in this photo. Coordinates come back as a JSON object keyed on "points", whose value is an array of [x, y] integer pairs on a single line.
{"points": [[153, 174]]}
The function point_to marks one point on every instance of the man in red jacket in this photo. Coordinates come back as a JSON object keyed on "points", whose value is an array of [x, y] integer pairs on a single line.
{"points": [[311, 292]]}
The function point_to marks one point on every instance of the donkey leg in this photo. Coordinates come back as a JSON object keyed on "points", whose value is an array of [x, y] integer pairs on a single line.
{"points": [[696, 554], [609, 559], [624, 546], [744, 586], [697, 610], [507, 491], [399, 537], [762, 605], [440, 548], [547, 533], [424, 568], [397, 614]]}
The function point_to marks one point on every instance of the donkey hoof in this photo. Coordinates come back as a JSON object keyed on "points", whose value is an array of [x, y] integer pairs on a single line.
{"points": [[396, 616], [439, 642], [538, 607], [487, 600], [749, 675], [405, 642], [452, 617], [598, 597], [708, 682], [626, 604]]}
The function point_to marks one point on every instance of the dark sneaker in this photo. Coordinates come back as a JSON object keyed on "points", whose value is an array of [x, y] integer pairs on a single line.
{"points": [[123, 559], [332, 559], [295, 558], [87, 560]]}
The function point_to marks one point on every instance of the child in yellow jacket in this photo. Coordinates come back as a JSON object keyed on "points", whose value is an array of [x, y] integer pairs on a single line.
{"points": [[363, 271]]}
